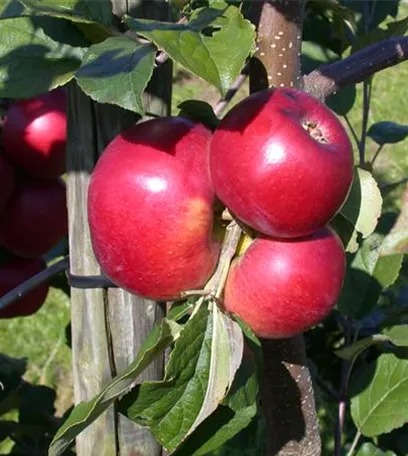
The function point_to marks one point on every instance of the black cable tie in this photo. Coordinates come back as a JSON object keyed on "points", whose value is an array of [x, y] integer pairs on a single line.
{"points": [[94, 281]]}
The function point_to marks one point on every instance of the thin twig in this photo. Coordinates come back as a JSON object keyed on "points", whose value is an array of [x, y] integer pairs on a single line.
{"points": [[364, 123], [162, 57], [366, 94], [223, 102], [25, 288], [354, 444], [329, 78], [342, 405], [353, 131], [376, 154], [228, 249]]}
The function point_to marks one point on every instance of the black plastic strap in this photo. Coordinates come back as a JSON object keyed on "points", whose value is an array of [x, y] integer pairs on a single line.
{"points": [[96, 281]]}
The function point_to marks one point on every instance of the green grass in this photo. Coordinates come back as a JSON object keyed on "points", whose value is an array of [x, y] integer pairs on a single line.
{"points": [[41, 339]]}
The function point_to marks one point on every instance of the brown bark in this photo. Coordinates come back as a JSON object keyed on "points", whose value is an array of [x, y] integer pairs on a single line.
{"points": [[287, 395], [329, 78]]}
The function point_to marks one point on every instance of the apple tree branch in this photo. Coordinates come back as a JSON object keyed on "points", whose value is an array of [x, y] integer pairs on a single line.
{"points": [[329, 78]]}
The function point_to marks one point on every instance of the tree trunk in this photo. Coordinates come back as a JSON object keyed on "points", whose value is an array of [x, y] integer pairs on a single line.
{"points": [[108, 326], [287, 392]]}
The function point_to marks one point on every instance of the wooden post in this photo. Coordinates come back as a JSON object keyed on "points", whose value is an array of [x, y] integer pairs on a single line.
{"points": [[287, 392], [108, 326]]}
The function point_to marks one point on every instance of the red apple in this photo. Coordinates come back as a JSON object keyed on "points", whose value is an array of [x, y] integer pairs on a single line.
{"points": [[282, 162], [7, 179], [13, 273], [35, 218], [34, 134], [282, 287], [150, 207]]}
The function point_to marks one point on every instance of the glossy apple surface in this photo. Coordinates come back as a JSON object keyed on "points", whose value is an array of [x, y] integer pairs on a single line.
{"points": [[282, 287], [150, 208], [34, 134], [35, 218], [282, 162], [7, 180], [14, 272]]}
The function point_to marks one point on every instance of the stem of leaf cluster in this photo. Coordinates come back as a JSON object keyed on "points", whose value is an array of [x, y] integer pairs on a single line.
{"points": [[223, 102], [229, 246], [342, 405], [354, 444], [376, 154], [366, 91], [366, 111], [353, 131]]}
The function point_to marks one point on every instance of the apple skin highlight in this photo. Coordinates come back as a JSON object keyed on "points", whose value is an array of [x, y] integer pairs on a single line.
{"points": [[35, 132], [282, 287], [282, 162], [150, 208]]}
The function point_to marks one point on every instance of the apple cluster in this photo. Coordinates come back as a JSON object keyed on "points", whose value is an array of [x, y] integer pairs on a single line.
{"points": [[33, 213], [280, 161]]}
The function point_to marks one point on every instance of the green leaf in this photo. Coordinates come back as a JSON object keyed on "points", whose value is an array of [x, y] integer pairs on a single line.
{"points": [[199, 111], [342, 101], [380, 395], [180, 308], [213, 45], [396, 240], [199, 374], [395, 28], [217, 429], [351, 352], [369, 273], [31, 61], [12, 8], [387, 132], [314, 55], [236, 412], [117, 71], [74, 10], [360, 212], [87, 412], [368, 449], [397, 335]]}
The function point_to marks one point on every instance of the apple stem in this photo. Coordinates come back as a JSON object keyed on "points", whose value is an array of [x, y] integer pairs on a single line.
{"points": [[36, 280], [192, 293], [376, 154], [216, 284], [226, 215]]}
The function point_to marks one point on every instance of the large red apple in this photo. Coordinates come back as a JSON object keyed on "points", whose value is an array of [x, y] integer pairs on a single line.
{"points": [[35, 218], [282, 162], [150, 206], [14, 272], [34, 134], [7, 179], [282, 287]]}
